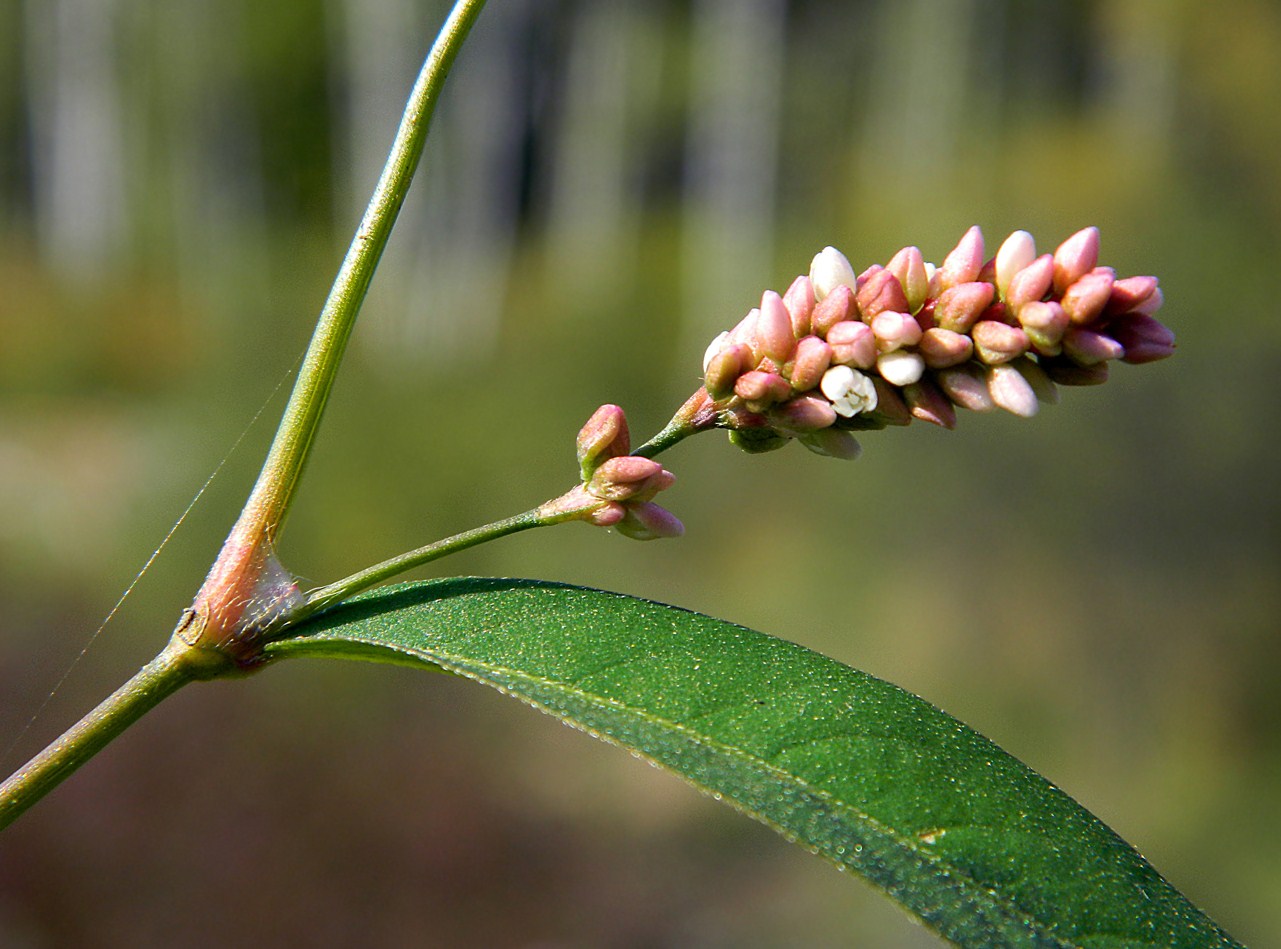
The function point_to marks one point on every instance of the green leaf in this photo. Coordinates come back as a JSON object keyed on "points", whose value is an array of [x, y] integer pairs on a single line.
{"points": [[873, 778]]}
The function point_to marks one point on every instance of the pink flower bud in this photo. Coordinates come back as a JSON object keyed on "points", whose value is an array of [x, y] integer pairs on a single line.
{"points": [[774, 329], [1067, 373], [890, 407], [830, 269], [832, 443], [1075, 258], [995, 343], [928, 403], [900, 367], [882, 291], [1144, 338], [958, 307], [1041, 383], [1011, 391], [1017, 252], [800, 304], [649, 522], [853, 344], [1151, 304], [803, 414], [763, 388], [837, 307], [744, 331], [1130, 293], [895, 330], [604, 436], [967, 387], [813, 356], [941, 348], [965, 261], [1086, 347], [1085, 299], [909, 267], [628, 477], [607, 515], [1045, 324], [1031, 283], [724, 369]]}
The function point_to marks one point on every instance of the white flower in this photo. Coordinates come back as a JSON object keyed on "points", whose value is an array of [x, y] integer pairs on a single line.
{"points": [[716, 345], [900, 367], [849, 390], [829, 270]]}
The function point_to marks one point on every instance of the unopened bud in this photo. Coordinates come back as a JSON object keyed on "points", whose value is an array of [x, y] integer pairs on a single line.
{"points": [[830, 269], [1144, 338], [928, 403], [881, 292], [995, 343], [602, 437], [1075, 258], [1129, 293], [895, 330], [757, 441], [837, 307], [967, 387], [832, 443], [1031, 283], [900, 368], [1045, 324], [853, 344], [959, 307], [1017, 252], [909, 267], [759, 388], [890, 407], [803, 414], [965, 261], [1011, 391], [1036, 377], [941, 348], [1086, 347], [649, 522], [1085, 299], [725, 368], [800, 304], [629, 477], [1067, 373], [774, 329], [812, 358]]}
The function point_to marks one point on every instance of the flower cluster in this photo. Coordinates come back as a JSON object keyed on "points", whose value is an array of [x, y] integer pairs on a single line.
{"points": [[617, 488], [839, 352]]}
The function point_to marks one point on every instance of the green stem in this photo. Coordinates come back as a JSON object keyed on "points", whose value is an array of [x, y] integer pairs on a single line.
{"points": [[330, 594], [157, 680]]}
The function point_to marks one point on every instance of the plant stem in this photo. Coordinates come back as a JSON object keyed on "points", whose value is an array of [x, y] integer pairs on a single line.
{"points": [[239, 564], [157, 680], [336, 592]]}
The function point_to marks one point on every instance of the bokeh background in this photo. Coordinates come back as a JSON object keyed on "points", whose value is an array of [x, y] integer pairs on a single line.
{"points": [[609, 183]]}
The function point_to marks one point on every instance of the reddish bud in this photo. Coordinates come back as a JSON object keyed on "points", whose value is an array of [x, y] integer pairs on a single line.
{"points": [[995, 343], [964, 262], [1144, 338], [805, 413], [724, 369], [967, 387], [942, 348], [1045, 324], [764, 388], [834, 308], [958, 307], [1031, 283], [853, 344], [602, 437], [890, 407], [800, 302], [1130, 293], [1086, 347], [649, 522], [881, 292], [1075, 258], [909, 267], [928, 403], [894, 330], [1085, 299], [774, 337], [813, 356]]}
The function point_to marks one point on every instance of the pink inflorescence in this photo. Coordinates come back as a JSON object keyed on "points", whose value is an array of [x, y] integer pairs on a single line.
{"points": [[839, 353]]}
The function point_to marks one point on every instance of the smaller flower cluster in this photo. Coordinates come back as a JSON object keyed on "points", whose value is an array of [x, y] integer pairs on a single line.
{"points": [[840, 352], [617, 488]]}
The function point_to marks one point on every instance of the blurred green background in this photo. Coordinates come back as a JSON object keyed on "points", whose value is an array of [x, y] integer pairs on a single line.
{"points": [[608, 185]]}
